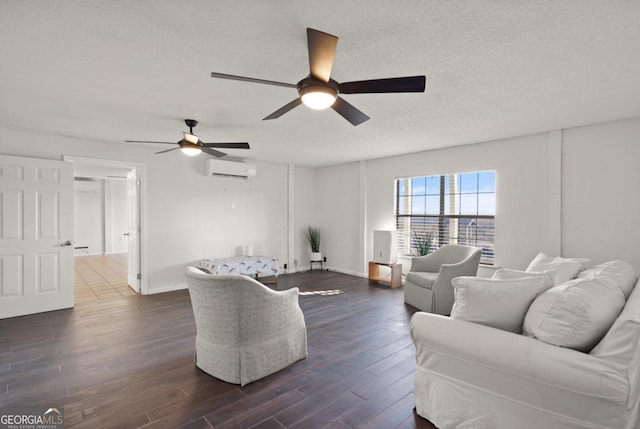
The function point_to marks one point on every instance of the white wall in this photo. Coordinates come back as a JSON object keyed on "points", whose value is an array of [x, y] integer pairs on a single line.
{"points": [[193, 216], [100, 216], [545, 185], [88, 213], [339, 214], [601, 191], [521, 182], [115, 218], [522, 188], [190, 215], [304, 213]]}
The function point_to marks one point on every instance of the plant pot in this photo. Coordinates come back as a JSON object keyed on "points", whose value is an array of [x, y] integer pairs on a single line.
{"points": [[316, 257]]}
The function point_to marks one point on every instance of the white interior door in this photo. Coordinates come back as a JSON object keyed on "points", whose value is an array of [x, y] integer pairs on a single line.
{"points": [[36, 235], [133, 230]]}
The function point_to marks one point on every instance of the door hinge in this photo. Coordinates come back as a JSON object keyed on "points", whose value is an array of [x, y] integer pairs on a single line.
{"points": [[139, 276]]}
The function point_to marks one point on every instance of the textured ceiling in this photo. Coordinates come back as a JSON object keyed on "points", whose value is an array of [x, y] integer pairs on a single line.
{"points": [[116, 70]]}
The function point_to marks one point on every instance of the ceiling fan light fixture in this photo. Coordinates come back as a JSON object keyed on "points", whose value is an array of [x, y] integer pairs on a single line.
{"points": [[191, 138], [190, 149], [318, 97], [191, 145]]}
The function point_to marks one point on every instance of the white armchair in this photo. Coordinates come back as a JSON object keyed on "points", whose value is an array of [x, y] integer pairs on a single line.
{"points": [[428, 284], [244, 330]]}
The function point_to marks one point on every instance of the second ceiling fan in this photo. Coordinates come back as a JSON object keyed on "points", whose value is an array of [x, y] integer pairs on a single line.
{"points": [[319, 91], [192, 145]]}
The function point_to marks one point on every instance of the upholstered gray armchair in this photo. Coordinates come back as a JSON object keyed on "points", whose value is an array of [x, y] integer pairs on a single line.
{"points": [[244, 330], [428, 283]]}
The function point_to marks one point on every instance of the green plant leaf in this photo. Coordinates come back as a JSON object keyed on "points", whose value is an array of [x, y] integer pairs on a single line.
{"points": [[313, 238], [421, 242]]}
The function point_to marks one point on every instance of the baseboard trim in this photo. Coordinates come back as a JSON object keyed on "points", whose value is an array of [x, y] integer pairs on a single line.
{"points": [[171, 288], [349, 272], [182, 286]]}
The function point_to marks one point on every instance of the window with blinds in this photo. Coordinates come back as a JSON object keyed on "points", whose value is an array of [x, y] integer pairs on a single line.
{"points": [[450, 209]]}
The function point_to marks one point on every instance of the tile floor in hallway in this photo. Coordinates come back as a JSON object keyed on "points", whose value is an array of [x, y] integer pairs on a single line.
{"points": [[101, 278]]}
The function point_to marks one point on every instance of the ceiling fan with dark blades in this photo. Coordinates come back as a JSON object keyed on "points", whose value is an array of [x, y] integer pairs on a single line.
{"points": [[319, 91], [192, 145]]}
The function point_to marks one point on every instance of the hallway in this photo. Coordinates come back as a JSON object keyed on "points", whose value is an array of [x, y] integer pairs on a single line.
{"points": [[101, 278]]}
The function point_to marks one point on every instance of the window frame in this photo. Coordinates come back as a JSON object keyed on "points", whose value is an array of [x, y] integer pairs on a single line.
{"points": [[443, 234]]}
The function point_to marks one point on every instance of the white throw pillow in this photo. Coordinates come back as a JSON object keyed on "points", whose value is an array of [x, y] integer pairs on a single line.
{"points": [[565, 268], [575, 314], [622, 273], [497, 303], [549, 277]]}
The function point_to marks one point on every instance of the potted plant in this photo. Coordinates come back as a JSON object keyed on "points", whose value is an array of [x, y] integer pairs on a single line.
{"points": [[422, 241], [313, 238]]}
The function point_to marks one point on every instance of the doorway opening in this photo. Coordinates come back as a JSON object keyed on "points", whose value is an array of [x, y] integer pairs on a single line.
{"points": [[109, 227], [101, 278]]}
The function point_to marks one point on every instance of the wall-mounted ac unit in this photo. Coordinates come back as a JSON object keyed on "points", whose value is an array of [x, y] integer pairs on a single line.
{"points": [[240, 170]]}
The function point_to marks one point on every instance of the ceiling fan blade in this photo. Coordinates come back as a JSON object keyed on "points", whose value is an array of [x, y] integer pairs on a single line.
{"points": [[322, 51], [251, 79], [349, 112], [168, 150], [284, 109], [144, 141], [242, 145], [394, 84], [213, 152]]}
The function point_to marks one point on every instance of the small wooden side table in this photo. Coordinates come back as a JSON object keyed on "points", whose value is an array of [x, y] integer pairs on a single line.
{"points": [[314, 262], [394, 280]]}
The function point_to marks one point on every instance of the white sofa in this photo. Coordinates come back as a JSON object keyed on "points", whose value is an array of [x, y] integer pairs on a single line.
{"points": [[471, 375]]}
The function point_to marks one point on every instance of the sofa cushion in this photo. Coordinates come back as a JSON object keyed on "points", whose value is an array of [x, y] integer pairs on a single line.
{"points": [[500, 303], [619, 271], [620, 344], [422, 279], [549, 277], [575, 314], [566, 268]]}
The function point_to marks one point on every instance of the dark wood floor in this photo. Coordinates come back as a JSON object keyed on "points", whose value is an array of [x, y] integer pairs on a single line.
{"points": [[128, 363]]}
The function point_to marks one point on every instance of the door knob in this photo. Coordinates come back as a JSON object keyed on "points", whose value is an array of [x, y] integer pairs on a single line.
{"points": [[66, 243], [126, 233]]}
